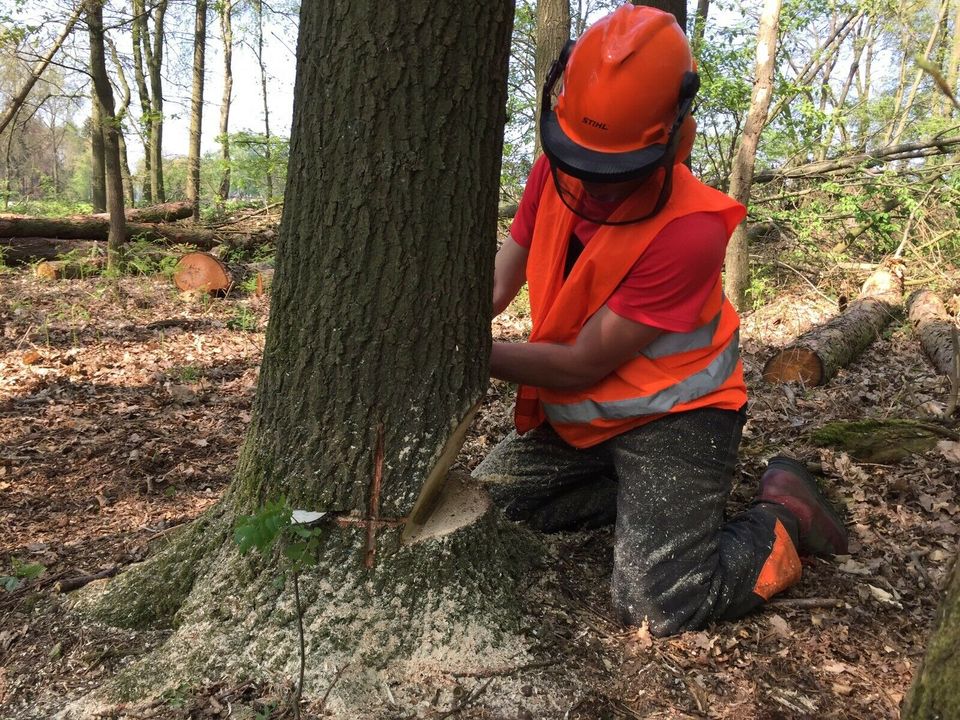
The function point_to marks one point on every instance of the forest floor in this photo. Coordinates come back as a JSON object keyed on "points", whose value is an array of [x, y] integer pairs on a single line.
{"points": [[123, 405]]}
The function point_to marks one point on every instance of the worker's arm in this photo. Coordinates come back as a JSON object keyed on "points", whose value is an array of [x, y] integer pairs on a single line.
{"points": [[605, 343], [510, 269]]}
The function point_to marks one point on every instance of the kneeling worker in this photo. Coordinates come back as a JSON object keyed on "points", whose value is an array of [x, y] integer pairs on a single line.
{"points": [[632, 398]]}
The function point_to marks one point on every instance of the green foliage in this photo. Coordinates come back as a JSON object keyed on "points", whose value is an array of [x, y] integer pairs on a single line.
{"points": [[262, 529], [249, 165], [243, 319], [21, 572]]}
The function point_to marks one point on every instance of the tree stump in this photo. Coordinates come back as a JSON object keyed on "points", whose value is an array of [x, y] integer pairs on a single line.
{"points": [[818, 354], [934, 328], [202, 271]]}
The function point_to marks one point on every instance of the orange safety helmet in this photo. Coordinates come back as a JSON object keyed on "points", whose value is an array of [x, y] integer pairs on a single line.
{"points": [[624, 110]]}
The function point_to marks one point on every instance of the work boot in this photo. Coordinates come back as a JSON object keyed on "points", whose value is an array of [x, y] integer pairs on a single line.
{"points": [[788, 483]]}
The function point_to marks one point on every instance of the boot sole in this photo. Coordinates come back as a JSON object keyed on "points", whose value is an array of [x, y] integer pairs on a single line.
{"points": [[801, 471]]}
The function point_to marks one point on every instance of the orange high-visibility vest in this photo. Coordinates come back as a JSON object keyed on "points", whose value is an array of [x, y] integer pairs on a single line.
{"points": [[678, 371]]}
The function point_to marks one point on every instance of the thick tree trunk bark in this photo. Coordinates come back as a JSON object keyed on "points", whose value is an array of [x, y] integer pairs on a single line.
{"points": [[936, 687], [111, 144], [816, 356], [934, 328], [553, 31], [357, 399], [196, 107], [737, 262], [226, 28]]}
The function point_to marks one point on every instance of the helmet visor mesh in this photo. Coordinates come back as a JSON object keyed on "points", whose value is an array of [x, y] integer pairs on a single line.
{"points": [[620, 203]]}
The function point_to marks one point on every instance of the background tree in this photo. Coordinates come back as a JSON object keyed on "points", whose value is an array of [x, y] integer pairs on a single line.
{"points": [[103, 100], [553, 31], [196, 107], [98, 167], [737, 262], [225, 12], [357, 400]]}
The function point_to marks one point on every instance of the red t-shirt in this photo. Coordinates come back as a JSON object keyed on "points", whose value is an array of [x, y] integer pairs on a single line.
{"points": [[670, 283]]}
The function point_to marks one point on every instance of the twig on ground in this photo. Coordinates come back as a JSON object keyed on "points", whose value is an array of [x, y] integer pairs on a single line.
{"points": [[805, 603], [463, 702], [504, 672], [333, 684], [71, 584]]}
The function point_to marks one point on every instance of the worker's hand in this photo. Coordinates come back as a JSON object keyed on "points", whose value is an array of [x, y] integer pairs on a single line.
{"points": [[509, 274], [605, 343]]}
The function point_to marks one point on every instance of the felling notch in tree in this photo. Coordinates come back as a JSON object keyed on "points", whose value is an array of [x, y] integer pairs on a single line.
{"points": [[816, 356]]}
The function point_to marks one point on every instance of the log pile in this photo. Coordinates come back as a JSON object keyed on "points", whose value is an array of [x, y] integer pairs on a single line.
{"points": [[818, 354]]}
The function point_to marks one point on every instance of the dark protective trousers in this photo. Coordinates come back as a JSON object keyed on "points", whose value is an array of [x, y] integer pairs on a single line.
{"points": [[677, 562]]}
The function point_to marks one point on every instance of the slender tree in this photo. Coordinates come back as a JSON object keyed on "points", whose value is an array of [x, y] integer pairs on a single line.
{"points": [[737, 263], [21, 95], [103, 99], [267, 150], [196, 107], [121, 116], [553, 31], [139, 30], [98, 178], [226, 28]]}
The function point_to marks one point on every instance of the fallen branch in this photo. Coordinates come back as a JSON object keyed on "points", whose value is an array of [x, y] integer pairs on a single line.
{"points": [[805, 603], [889, 153], [933, 325]]}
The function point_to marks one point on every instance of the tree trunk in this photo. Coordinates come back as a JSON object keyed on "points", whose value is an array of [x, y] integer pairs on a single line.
{"points": [[97, 227], [121, 116], [553, 31], [356, 400], [266, 107], [17, 100], [936, 686], [111, 143], [818, 354], [153, 51], [24, 250], [140, 31], [98, 168], [699, 25], [934, 328], [226, 28], [737, 262], [196, 107], [677, 8]]}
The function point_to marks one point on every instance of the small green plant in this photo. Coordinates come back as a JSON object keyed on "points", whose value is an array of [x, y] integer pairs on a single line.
{"points": [[243, 319], [21, 572], [761, 288], [185, 374], [299, 536]]}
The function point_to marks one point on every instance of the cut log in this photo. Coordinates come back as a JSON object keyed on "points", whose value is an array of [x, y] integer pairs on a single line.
{"points": [[68, 269], [818, 354], [202, 271], [23, 250], [934, 328], [166, 212], [92, 227]]}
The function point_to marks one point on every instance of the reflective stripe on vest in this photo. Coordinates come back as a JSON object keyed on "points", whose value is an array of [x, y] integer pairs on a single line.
{"points": [[673, 343], [697, 385]]}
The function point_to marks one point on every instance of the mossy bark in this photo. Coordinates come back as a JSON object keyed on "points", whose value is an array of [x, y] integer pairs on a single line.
{"points": [[936, 689], [379, 336], [881, 441]]}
